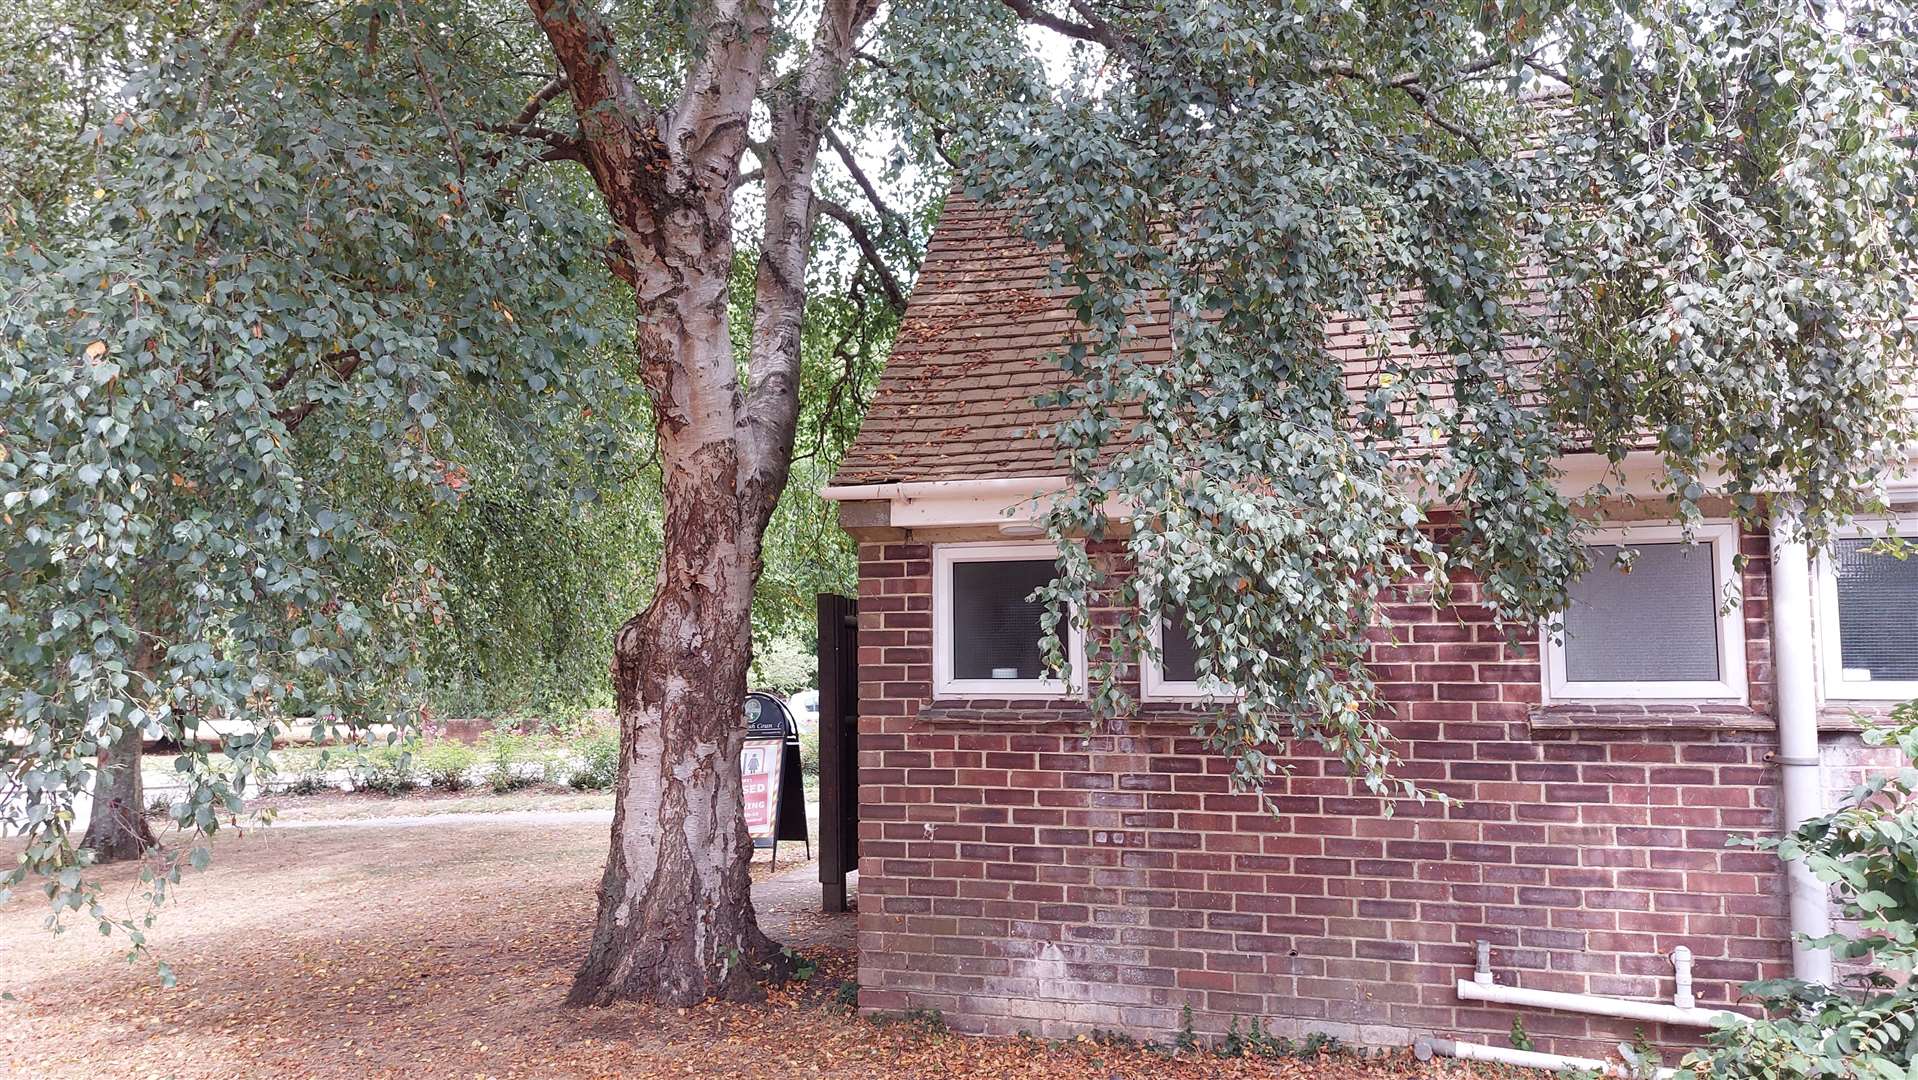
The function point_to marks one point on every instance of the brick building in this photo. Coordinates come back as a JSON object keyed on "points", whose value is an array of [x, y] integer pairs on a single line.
{"points": [[1020, 871]]}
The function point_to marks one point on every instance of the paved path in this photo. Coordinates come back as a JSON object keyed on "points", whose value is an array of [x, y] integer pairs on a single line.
{"points": [[788, 908], [787, 903], [482, 817]]}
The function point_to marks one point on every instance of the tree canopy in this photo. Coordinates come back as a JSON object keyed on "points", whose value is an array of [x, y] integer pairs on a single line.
{"points": [[1683, 227], [268, 301]]}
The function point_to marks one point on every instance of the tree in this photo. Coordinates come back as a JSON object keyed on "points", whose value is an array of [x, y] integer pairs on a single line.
{"points": [[1684, 227], [321, 278], [272, 278], [57, 77], [1257, 168], [675, 915]]}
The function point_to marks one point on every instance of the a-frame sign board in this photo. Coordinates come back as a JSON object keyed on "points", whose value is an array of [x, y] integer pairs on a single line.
{"points": [[774, 789]]}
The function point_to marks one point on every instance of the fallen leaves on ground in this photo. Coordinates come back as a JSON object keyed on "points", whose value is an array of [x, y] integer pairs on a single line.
{"points": [[445, 951]]}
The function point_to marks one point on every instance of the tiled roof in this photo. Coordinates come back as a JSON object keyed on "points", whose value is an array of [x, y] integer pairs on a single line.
{"points": [[956, 399]]}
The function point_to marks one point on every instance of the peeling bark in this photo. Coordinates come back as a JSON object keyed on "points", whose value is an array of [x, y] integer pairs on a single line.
{"points": [[676, 921]]}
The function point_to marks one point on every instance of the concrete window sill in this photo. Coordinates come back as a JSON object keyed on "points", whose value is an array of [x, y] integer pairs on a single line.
{"points": [[1650, 716]]}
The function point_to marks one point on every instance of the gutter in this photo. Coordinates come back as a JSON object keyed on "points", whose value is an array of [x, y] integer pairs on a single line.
{"points": [[1004, 501], [990, 500], [910, 491]]}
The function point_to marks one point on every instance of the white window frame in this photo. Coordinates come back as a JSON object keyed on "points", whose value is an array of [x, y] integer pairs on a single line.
{"points": [[1833, 686], [1154, 686], [1730, 687], [944, 685]]}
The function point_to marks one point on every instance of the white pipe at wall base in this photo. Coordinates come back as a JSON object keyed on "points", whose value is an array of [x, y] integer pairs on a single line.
{"points": [[1655, 1012], [1802, 780], [1682, 976], [1425, 1048]]}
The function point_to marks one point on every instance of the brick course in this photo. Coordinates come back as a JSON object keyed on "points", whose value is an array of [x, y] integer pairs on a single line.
{"points": [[1019, 871]]}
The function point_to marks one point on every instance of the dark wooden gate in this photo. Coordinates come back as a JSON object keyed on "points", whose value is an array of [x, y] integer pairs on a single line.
{"points": [[838, 747]]}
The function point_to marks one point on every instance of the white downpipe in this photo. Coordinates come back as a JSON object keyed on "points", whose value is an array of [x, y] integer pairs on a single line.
{"points": [[1424, 1048], [1653, 1012], [1793, 665]]}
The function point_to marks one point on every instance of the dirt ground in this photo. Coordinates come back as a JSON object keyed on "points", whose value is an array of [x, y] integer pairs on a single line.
{"points": [[443, 950]]}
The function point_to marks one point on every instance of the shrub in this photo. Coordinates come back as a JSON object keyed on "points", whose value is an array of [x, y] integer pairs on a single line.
{"points": [[1187, 1040], [597, 762], [509, 752], [307, 783], [1868, 851], [446, 763], [387, 770], [784, 665], [809, 752]]}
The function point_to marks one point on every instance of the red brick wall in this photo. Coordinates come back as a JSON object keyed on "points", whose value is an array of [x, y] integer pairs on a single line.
{"points": [[1018, 873]]}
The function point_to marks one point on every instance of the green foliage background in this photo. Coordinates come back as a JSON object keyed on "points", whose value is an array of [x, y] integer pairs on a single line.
{"points": [[313, 397]]}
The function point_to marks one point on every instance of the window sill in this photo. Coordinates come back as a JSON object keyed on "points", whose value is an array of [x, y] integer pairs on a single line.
{"points": [[1853, 716], [1651, 716], [978, 713]]}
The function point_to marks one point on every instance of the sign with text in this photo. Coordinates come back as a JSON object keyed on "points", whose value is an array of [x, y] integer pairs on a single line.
{"points": [[759, 772]]}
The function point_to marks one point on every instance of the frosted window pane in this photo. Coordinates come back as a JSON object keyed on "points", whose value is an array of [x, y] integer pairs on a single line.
{"points": [[1877, 613], [1178, 662], [1658, 623], [995, 629]]}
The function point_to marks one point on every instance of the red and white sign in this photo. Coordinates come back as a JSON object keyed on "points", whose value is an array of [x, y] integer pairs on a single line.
{"points": [[759, 763]]}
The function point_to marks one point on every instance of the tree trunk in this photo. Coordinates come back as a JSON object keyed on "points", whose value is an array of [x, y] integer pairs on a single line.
{"points": [[117, 828], [676, 922]]}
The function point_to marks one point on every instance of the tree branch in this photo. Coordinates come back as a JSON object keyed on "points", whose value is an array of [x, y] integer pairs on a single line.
{"points": [[560, 146], [1093, 30], [242, 29], [554, 87], [1559, 75], [852, 353], [342, 364], [767, 425], [891, 221], [589, 61], [709, 127], [618, 129], [1412, 85], [432, 90], [895, 296]]}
